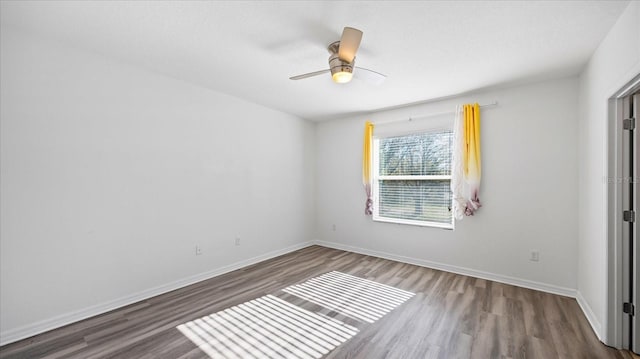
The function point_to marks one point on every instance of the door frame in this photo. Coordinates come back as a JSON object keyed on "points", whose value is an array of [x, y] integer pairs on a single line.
{"points": [[615, 316]]}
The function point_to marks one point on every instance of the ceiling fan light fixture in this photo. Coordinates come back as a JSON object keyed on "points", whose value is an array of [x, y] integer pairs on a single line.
{"points": [[342, 77], [341, 71]]}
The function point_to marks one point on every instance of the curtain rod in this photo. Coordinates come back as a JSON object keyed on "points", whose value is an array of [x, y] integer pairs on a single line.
{"points": [[494, 103]]}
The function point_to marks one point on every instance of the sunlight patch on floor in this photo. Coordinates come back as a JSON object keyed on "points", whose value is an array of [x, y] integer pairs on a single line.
{"points": [[351, 296], [267, 327]]}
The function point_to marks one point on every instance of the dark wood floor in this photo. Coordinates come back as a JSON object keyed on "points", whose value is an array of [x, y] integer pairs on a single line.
{"points": [[448, 316]]}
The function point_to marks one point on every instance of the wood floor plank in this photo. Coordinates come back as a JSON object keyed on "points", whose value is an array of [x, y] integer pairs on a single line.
{"points": [[449, 316]]}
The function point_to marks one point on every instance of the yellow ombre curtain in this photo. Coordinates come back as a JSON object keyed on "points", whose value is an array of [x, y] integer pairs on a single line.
{"points": [[467, 169], [367, 153]]}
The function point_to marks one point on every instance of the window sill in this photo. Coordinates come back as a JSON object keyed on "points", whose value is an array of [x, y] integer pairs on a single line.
{"points": [[413, 223]]}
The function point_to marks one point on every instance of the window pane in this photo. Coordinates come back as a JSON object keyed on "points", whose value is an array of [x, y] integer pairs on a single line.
{"points": [[422, 200], [418, 154]]}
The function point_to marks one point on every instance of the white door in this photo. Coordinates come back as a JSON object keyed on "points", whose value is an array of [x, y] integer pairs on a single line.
{"points": [[633, 240], [631, 214]]}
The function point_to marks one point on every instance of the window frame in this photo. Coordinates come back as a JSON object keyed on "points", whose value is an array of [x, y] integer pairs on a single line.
{"points": [[376, 178]]}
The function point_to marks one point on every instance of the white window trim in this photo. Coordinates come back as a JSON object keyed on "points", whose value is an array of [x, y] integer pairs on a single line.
{"points": [[375, 192]]}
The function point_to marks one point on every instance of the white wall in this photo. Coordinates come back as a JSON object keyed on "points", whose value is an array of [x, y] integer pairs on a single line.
{"points": [[529, 191], [112, 174], [616, 61]]}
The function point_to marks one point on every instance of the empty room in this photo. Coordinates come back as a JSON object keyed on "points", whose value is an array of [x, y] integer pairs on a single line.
{"points": [[319, 179]]}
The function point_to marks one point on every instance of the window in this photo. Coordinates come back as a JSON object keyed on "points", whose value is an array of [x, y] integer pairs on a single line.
{"points": [[412, 178]]}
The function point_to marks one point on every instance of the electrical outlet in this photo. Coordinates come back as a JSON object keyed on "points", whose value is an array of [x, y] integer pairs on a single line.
{"points": [[198, 250], [237, 241], [333, 227], [534, 256]]}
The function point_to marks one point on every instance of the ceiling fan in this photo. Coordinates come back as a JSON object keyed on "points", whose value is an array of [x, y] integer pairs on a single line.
{"points": [[342, 60]]}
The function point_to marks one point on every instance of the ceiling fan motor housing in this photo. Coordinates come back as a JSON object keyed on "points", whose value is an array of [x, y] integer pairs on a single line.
{"points": [[340, 70], [336, 65]]}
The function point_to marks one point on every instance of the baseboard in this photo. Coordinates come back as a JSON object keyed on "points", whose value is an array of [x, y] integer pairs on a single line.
{"points": [[591, 317], [544, 287], [30, 330]]}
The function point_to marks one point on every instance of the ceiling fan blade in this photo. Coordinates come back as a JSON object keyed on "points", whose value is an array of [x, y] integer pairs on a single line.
{"points": [[310, 74], [370, 76], [349, 44]]}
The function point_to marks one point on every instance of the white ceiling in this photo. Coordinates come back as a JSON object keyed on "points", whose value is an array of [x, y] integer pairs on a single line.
{"points": [[249, 49]]}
